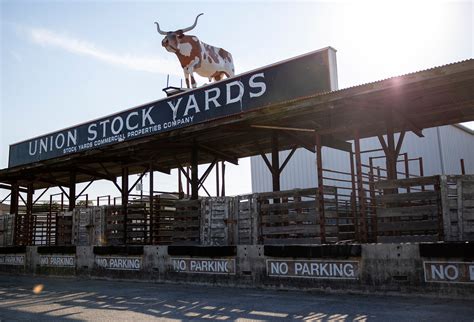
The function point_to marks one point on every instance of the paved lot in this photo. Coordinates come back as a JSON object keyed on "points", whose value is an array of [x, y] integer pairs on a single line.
{"points": [[76, 299]]}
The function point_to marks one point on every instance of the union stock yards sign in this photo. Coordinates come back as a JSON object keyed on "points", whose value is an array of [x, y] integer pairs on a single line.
{"points": [[308, 74]]}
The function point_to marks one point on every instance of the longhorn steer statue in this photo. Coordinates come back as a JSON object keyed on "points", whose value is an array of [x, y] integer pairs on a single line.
{"points": [[197, 56]]}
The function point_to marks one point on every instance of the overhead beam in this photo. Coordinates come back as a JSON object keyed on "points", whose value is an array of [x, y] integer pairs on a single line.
{"points": [[301, 140], [221, 155], [8, 187], [283, 128], [96, 174]]}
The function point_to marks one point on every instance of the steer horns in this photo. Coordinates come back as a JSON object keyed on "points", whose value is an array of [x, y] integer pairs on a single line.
{"points": [[164, 33]]}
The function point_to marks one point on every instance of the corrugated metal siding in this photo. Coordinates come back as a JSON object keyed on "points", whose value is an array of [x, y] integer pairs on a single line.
{"points": [[457, 144], [300, 172]]}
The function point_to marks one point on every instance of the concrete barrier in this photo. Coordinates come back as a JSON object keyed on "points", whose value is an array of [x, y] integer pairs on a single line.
{"points": [[432, 269]]}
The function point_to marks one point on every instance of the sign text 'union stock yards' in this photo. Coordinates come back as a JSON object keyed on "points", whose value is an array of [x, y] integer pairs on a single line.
{"points": [[301, 76]]}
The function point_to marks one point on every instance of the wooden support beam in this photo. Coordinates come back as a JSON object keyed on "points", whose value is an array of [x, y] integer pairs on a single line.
{"points": [[301, 139], [14, 199], [390, 153], [96, 174], [206, 173], [22, 199], [125, 194], [72, 190], [8, 196], [194, 173], [288, 158], [29, 199], [217, 179], [29, 213], [334, 143], [220, 155], [399, 143], [360, 188], [138, 180], [52, 181], [275, 163], [283, 128], [41, 195], [418, 130], [151, 227], [320, 196], [223, 179], [85, 188], [8, 187], [64, 191], [267, 162]]}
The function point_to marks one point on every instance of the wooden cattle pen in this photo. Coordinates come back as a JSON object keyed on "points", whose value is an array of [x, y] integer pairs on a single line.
{"points": [[367, 204]]}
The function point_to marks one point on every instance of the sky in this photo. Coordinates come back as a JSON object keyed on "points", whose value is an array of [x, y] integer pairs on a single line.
{"points": [[68, 62]]}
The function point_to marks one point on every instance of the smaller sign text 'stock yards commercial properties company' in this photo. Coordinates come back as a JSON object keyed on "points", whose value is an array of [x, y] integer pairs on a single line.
{"points": [[302, 76]]}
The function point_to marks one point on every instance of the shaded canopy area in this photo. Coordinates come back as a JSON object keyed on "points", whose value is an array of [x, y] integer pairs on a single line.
{"points": [[438, 96]]}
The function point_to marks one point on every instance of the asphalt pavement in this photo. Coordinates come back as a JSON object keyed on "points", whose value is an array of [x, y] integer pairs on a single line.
{"points": [[54, 298]]}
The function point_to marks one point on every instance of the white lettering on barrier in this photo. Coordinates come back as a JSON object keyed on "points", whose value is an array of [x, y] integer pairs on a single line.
{"points": [[313, 269], [119, 263], [57, 260], [449, 272], [203, 265], [13, 259]]}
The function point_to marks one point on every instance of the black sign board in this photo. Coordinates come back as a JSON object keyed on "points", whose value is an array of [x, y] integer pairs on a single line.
{"points": [[297, 77]]}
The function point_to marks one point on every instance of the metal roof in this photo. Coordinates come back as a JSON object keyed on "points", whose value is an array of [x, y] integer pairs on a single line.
{"points": [[428, 98]]}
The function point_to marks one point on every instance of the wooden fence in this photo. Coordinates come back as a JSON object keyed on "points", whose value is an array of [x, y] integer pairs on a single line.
{"points": [[408, 210]]}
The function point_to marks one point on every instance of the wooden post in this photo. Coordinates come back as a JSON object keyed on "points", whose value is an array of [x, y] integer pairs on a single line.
{"points": [[187, 182], [14, 198], [463, 169], [320, 197], [217, 179], [194, 173], [355, 219], [29, 213], [373, 203], [124, 202], [72, 190], [360, 188], [275, 163], [407, 169], [223, 179], [151, 200]]}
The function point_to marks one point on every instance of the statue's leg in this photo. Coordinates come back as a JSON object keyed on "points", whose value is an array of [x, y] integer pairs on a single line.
{"points": [[186, 78], [193, 81]]}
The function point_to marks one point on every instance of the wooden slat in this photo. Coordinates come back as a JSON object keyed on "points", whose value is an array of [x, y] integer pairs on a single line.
{"points": [[405, 183], [311, 217], [289, 205], [291, 241], [407, 225], [288, 193], [426, 210], [293, 229], [407, 239], [413, 196]]}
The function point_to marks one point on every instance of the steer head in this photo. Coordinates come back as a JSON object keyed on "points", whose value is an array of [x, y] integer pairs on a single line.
{"points": [[172, 38]]}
